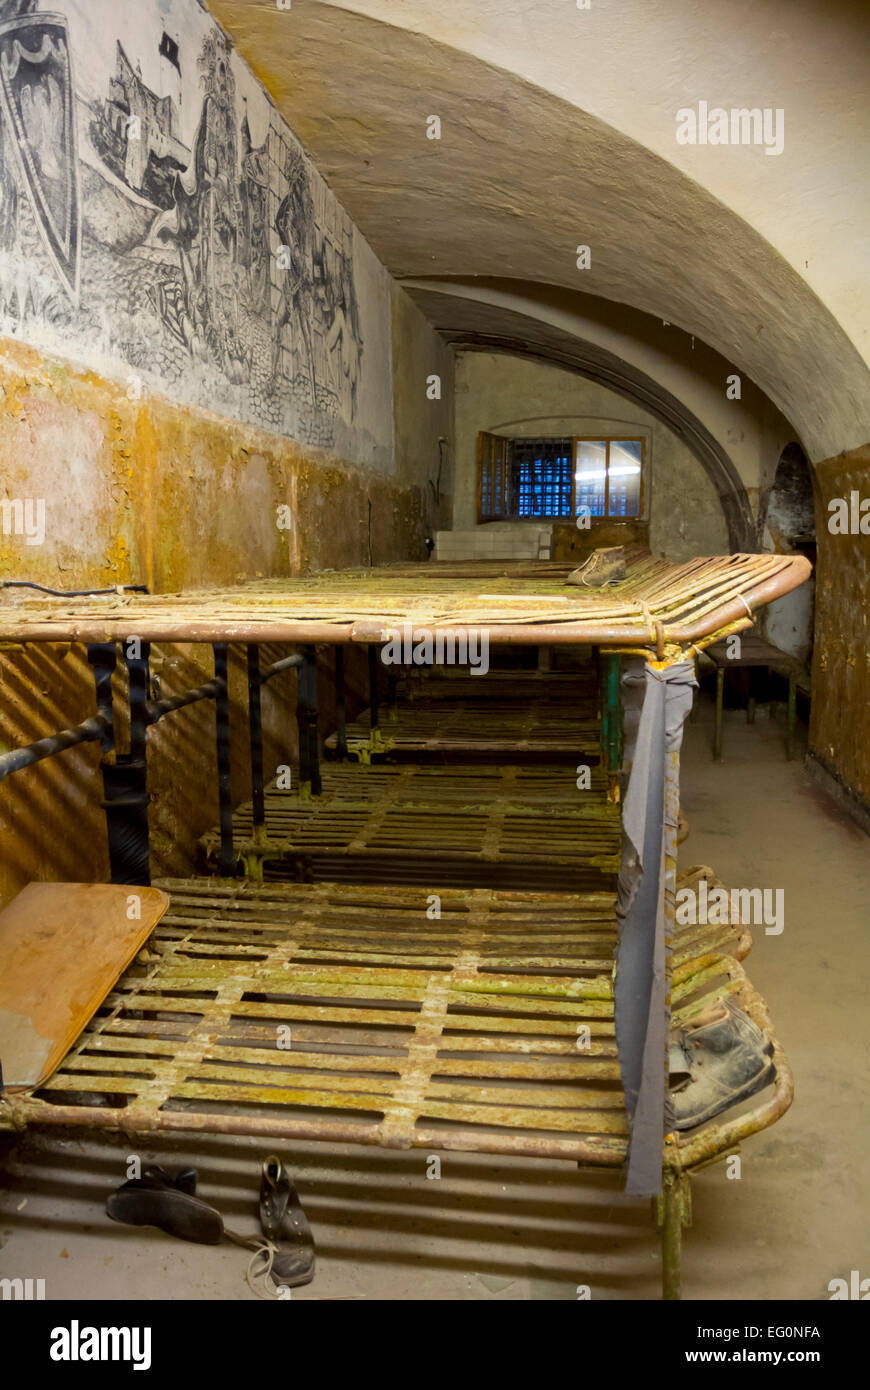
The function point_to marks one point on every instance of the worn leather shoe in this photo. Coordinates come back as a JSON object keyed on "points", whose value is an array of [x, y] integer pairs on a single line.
{"points": [[285, 1226], [716, 1060], [170, 1204]]}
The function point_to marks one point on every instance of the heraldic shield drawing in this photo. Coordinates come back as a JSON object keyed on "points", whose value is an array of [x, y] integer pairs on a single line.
{"points": [[37, 112]]}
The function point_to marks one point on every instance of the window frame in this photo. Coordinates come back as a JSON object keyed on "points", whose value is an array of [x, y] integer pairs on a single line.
{"points": [[487, 444]]}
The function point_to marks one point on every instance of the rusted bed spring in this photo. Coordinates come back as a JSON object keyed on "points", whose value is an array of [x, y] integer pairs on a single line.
{"points": [[429, 821], [461, 785], [547, 728], [459, 1033], [658, 603], [502, 684]]}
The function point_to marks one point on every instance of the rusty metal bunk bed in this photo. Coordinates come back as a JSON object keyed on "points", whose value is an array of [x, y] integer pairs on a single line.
{"points": [[435, 727], [494, 971], [447, 824]]}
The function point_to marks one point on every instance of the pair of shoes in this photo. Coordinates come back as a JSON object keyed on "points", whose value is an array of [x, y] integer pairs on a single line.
{"points": [[718, 1059], [286, 1249]]}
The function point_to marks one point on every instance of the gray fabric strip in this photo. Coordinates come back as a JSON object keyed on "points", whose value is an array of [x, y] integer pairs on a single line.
{"points": [[640, 1006]]}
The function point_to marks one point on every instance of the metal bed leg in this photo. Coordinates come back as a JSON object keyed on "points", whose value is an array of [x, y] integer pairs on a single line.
{"points": [[125, 780], [611, 722], [310, 783], [255, 722], [227, 860], [253, 861], [374, 708], [340, 704], [392, 699], [104, 658], [720, 700], [792, 715], [673, 1211]]}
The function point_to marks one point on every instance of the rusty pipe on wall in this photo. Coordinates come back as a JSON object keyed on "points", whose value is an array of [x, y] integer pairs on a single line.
{"points": [[87, 732]]}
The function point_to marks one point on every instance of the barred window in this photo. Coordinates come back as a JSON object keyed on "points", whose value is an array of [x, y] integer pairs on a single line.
{"points": [[552, 478]]}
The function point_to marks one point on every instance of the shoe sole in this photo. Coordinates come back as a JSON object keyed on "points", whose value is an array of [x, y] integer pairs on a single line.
{"points": [[176, 1213]]}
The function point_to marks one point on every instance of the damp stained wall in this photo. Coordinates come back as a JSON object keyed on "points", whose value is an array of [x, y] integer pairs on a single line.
{"points": [[516, 397], [841, 655], [172, 393]]}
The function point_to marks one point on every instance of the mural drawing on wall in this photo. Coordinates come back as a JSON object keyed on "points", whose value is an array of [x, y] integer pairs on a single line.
{"points": [[38, 159], [220, 269]]}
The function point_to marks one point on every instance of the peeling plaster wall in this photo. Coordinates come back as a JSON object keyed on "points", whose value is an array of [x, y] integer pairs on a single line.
{"points": [[519, 398], [841, 655], [167, 495]]}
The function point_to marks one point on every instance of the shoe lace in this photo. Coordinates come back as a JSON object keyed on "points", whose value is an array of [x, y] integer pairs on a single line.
{"points": [[258, 1274], [266, 1256]]}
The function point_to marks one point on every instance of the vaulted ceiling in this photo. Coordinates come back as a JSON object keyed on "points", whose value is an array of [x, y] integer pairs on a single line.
{"points": [[555, 135]]}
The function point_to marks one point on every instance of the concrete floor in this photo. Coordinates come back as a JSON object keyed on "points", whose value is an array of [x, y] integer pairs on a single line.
{"points": [[514, 1229]]}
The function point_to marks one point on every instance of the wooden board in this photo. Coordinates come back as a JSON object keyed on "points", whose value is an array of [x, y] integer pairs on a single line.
{"points": [[62, 948]]}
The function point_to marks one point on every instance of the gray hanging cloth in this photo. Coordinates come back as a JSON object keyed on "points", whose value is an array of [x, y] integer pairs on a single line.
{"points": [[641, 1010]]}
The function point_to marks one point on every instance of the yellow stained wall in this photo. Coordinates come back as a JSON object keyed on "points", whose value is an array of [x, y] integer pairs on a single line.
{"points": [[145, 491], [841, 657]]}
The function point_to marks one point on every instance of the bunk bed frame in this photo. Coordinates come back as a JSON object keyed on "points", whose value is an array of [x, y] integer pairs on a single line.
{"points": [[179, 1043]]}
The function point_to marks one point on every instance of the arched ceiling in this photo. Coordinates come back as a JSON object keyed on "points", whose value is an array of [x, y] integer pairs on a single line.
{"points": [[493, 318], [523, 175]]}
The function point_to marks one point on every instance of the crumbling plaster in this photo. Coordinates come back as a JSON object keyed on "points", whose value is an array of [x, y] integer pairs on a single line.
{"points": [[154, 492]]}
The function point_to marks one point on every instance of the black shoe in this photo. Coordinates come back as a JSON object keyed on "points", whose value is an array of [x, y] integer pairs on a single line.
{"points": [[168, 1203], [285, 1226]]}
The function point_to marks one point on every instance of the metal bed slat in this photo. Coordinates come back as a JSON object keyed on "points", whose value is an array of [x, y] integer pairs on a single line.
{"points": [[383, 1050]]}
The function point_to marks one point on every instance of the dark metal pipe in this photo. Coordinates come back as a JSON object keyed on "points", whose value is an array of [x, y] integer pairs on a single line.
{"points": [[227, 862], [374, 707], [140, 691], [103, 657], [277, 666], [306, 718], [340, 705], [87, 732], [158, 708], [255, 721], [125, 781]]}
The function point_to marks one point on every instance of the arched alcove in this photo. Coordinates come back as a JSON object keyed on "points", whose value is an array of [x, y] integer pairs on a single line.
{"points": [[790, 525]]}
